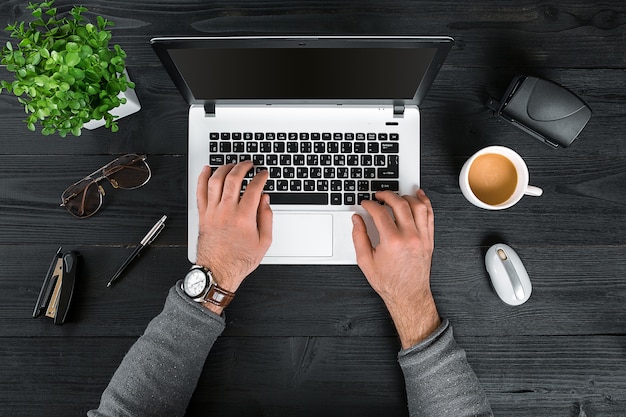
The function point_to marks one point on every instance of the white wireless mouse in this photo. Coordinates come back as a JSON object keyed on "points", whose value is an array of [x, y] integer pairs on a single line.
{"points": [[508, 275]]}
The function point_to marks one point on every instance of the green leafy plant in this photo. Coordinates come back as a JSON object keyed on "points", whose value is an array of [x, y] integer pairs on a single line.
{"points": [[65, 73]]}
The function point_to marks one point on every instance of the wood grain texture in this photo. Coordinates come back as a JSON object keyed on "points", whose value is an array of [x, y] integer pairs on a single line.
{"points": [[317, 340]]}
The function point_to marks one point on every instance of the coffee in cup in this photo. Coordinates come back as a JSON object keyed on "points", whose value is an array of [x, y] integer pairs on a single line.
{"points": [[495, 178]]}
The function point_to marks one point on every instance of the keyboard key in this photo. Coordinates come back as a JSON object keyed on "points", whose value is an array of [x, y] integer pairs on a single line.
{"points": [[305, 147], [252, 147], [299, 198], [335, 199], [322, 185], [289, 172], [315, 172], [279, 147], [282, 185], [285, 159], [302, 172], [388, 172], [214, 135], [349, 199], [389, 147], [269, 185], [295, 185], [216, 160], [363, 196], [271, 159], [385, 185], [342, 172], [292, 147]]}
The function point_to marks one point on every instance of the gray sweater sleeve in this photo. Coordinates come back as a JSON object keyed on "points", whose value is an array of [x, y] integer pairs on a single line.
{"points": [[160, 371], [439, 381]]}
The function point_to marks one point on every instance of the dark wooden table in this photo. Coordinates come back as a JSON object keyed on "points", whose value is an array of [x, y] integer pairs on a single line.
{"points": [[317, 340]]}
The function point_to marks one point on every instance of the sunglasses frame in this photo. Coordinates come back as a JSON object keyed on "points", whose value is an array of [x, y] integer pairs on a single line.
{"points": [[100, 174]]}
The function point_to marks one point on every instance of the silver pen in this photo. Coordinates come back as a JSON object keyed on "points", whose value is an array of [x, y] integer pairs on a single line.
{"points": [[148, 239]]}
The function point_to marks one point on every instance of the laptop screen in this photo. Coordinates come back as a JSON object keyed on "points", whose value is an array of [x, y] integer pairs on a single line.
{"points": [[339, 70]]}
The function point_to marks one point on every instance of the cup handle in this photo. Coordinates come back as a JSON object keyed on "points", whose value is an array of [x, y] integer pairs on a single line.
{"points": [[534, 191]]}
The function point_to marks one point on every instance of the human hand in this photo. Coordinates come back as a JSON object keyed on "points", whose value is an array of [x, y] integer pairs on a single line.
{"points": [[234, 232], [398, 269]]}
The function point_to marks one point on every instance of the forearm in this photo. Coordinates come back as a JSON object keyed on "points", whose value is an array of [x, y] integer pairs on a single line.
{"points": [[159, 373], [439, 381]]}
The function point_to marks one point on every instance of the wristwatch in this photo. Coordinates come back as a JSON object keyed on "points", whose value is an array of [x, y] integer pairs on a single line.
{"points": [[200, 286]]}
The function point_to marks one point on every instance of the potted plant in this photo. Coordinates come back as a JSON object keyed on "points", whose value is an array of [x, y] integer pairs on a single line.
{"points": [[65, 74]]}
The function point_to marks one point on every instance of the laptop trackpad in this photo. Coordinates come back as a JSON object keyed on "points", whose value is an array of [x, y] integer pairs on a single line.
{"points": [[302, 234]]}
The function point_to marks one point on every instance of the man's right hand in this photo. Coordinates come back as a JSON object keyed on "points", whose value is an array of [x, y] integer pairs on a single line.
{"points": [[398, 269]]}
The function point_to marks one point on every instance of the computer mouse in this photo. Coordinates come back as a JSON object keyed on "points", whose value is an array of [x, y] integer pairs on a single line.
{"points": [[508, 274]]}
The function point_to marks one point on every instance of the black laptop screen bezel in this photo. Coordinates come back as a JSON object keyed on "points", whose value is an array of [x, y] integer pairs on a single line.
{"points": [[441, 45]]}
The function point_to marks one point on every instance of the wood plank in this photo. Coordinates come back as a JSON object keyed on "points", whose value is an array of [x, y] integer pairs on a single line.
{"points": [[536, 376], [573, 294], [455, 121], [513, 34], [580, 198]]}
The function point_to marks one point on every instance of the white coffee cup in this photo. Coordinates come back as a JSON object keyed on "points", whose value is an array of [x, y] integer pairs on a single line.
{"points": [[496, 178]]}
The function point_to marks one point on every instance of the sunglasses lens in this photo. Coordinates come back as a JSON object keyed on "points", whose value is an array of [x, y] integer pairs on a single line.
{"points": [[83, 198], [129, 171]]}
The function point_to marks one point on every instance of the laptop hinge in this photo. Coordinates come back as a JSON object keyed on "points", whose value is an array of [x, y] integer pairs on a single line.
{"points": [[398, 110], [209, 109]]}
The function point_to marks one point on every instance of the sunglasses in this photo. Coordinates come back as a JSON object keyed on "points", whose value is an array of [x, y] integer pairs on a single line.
{"points": [[84, 198]]}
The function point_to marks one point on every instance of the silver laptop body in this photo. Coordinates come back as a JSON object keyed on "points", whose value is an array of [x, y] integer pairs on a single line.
{"points": [[314, 111]]}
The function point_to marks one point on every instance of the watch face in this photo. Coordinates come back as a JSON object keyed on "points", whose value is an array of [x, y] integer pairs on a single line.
{"points": [[195, 282]]}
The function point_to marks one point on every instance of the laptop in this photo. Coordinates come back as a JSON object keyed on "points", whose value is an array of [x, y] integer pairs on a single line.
{"points": [[333, 120]]}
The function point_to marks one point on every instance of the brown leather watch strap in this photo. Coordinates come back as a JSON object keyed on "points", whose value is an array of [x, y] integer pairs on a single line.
{"points": [[218, 296]]}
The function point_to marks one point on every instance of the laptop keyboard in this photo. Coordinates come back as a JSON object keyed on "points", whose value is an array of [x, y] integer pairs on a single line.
{"points": [[314, 168]]}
